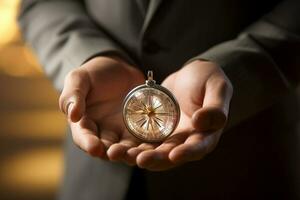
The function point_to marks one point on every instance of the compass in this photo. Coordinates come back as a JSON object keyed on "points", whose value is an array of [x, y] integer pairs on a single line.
{"points": [[150, 111]]}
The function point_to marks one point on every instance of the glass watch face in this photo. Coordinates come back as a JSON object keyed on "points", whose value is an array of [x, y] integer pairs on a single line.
{"points": [[151, 113]]}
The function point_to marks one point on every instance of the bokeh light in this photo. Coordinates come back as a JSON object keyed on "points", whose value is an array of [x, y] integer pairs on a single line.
{"points": [[31, 126]]}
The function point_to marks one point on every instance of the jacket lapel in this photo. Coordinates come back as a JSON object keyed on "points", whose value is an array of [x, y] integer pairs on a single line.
{"points": [[152, 8]]}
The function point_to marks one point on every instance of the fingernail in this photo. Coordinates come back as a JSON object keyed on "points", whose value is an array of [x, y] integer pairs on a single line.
{"points": [[69, 108]]}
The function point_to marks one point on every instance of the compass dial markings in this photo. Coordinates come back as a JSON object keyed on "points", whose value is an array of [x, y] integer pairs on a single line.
{"points": [[151, 113], [164, 114], [137, 106], [144, 105], [157, 107], [137, 103], [147, 127], [135, 112], [156, 122], [159, 119], [141, 121], [152, 128], [149, 98]]}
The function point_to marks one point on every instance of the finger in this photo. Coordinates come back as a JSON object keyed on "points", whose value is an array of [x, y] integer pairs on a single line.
{"points": [[195, 147], [171, 142], [72, 99], [212, 115], [158, 159], [108, 137], [117, 152], [133, 152], [145, 160], [142, 147], [209, 119], [84, 135]]}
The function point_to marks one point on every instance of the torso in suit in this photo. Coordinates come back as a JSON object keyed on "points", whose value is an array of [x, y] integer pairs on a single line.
{"points": [[257, 43]]}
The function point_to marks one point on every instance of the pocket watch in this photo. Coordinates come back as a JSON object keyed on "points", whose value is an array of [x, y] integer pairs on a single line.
{"points": [[150, 111]]}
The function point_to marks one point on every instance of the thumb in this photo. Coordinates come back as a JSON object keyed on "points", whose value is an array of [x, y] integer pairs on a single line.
{"points": [[212, 116], [73, 96]]}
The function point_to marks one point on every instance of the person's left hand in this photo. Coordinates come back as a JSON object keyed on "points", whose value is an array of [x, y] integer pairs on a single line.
{"points": [[203, 92]]}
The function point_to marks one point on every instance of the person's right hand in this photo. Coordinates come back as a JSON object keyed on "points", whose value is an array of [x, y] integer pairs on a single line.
{"points": [[92, 100]]}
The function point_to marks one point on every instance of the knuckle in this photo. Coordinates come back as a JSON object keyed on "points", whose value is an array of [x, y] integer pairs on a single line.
{"points": [[90, 147], [87, 145], [72, 74], [77, 144], [77, 93], [224, 85], [78, 76], [69, 91], [83, 143], [75, 139]]}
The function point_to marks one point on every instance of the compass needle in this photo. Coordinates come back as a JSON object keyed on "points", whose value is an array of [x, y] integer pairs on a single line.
{"points": [[138, 107], [143, 123], [149, 98], [152, 129], [144, 105], [156, 122], [164, 113], [157, 107], [159, 119], [135, 112], [140, 120], [147, 125]]}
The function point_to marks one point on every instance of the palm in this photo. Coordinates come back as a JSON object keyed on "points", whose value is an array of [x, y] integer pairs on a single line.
{"points": [[106, 115], [101, 84], [104, 102]]}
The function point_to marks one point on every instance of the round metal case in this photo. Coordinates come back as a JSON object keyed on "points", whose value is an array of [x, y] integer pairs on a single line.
{"points": [[150, 111]]}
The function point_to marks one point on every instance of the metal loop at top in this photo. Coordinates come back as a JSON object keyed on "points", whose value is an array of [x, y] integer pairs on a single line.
{"points": [[150, 75], [150, 82]]}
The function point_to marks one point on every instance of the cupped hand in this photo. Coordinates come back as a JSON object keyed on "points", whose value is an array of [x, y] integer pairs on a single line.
{"points": [[92, 100], [203, 92]]}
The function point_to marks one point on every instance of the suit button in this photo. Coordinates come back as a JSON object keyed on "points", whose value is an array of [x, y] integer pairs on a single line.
{"points": [[150, 47]]}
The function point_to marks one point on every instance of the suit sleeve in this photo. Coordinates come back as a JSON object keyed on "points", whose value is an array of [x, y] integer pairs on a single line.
{"points": [[63, 36], [263, 62]]}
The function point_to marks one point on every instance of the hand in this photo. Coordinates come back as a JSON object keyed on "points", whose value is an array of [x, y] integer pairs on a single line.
{"points": [[203, 93], [92, 98]]}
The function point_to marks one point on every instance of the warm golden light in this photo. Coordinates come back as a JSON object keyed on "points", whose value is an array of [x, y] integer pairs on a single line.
{"points": [[48, 125], [31, 126], [15, 58], [33, 170], [8, 27]]}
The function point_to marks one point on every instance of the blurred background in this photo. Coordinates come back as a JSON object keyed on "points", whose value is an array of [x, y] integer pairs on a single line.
{"points": [[31, 126]]}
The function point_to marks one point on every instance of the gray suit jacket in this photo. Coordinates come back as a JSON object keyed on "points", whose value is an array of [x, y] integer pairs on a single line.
{"points": [[257, 43]]}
